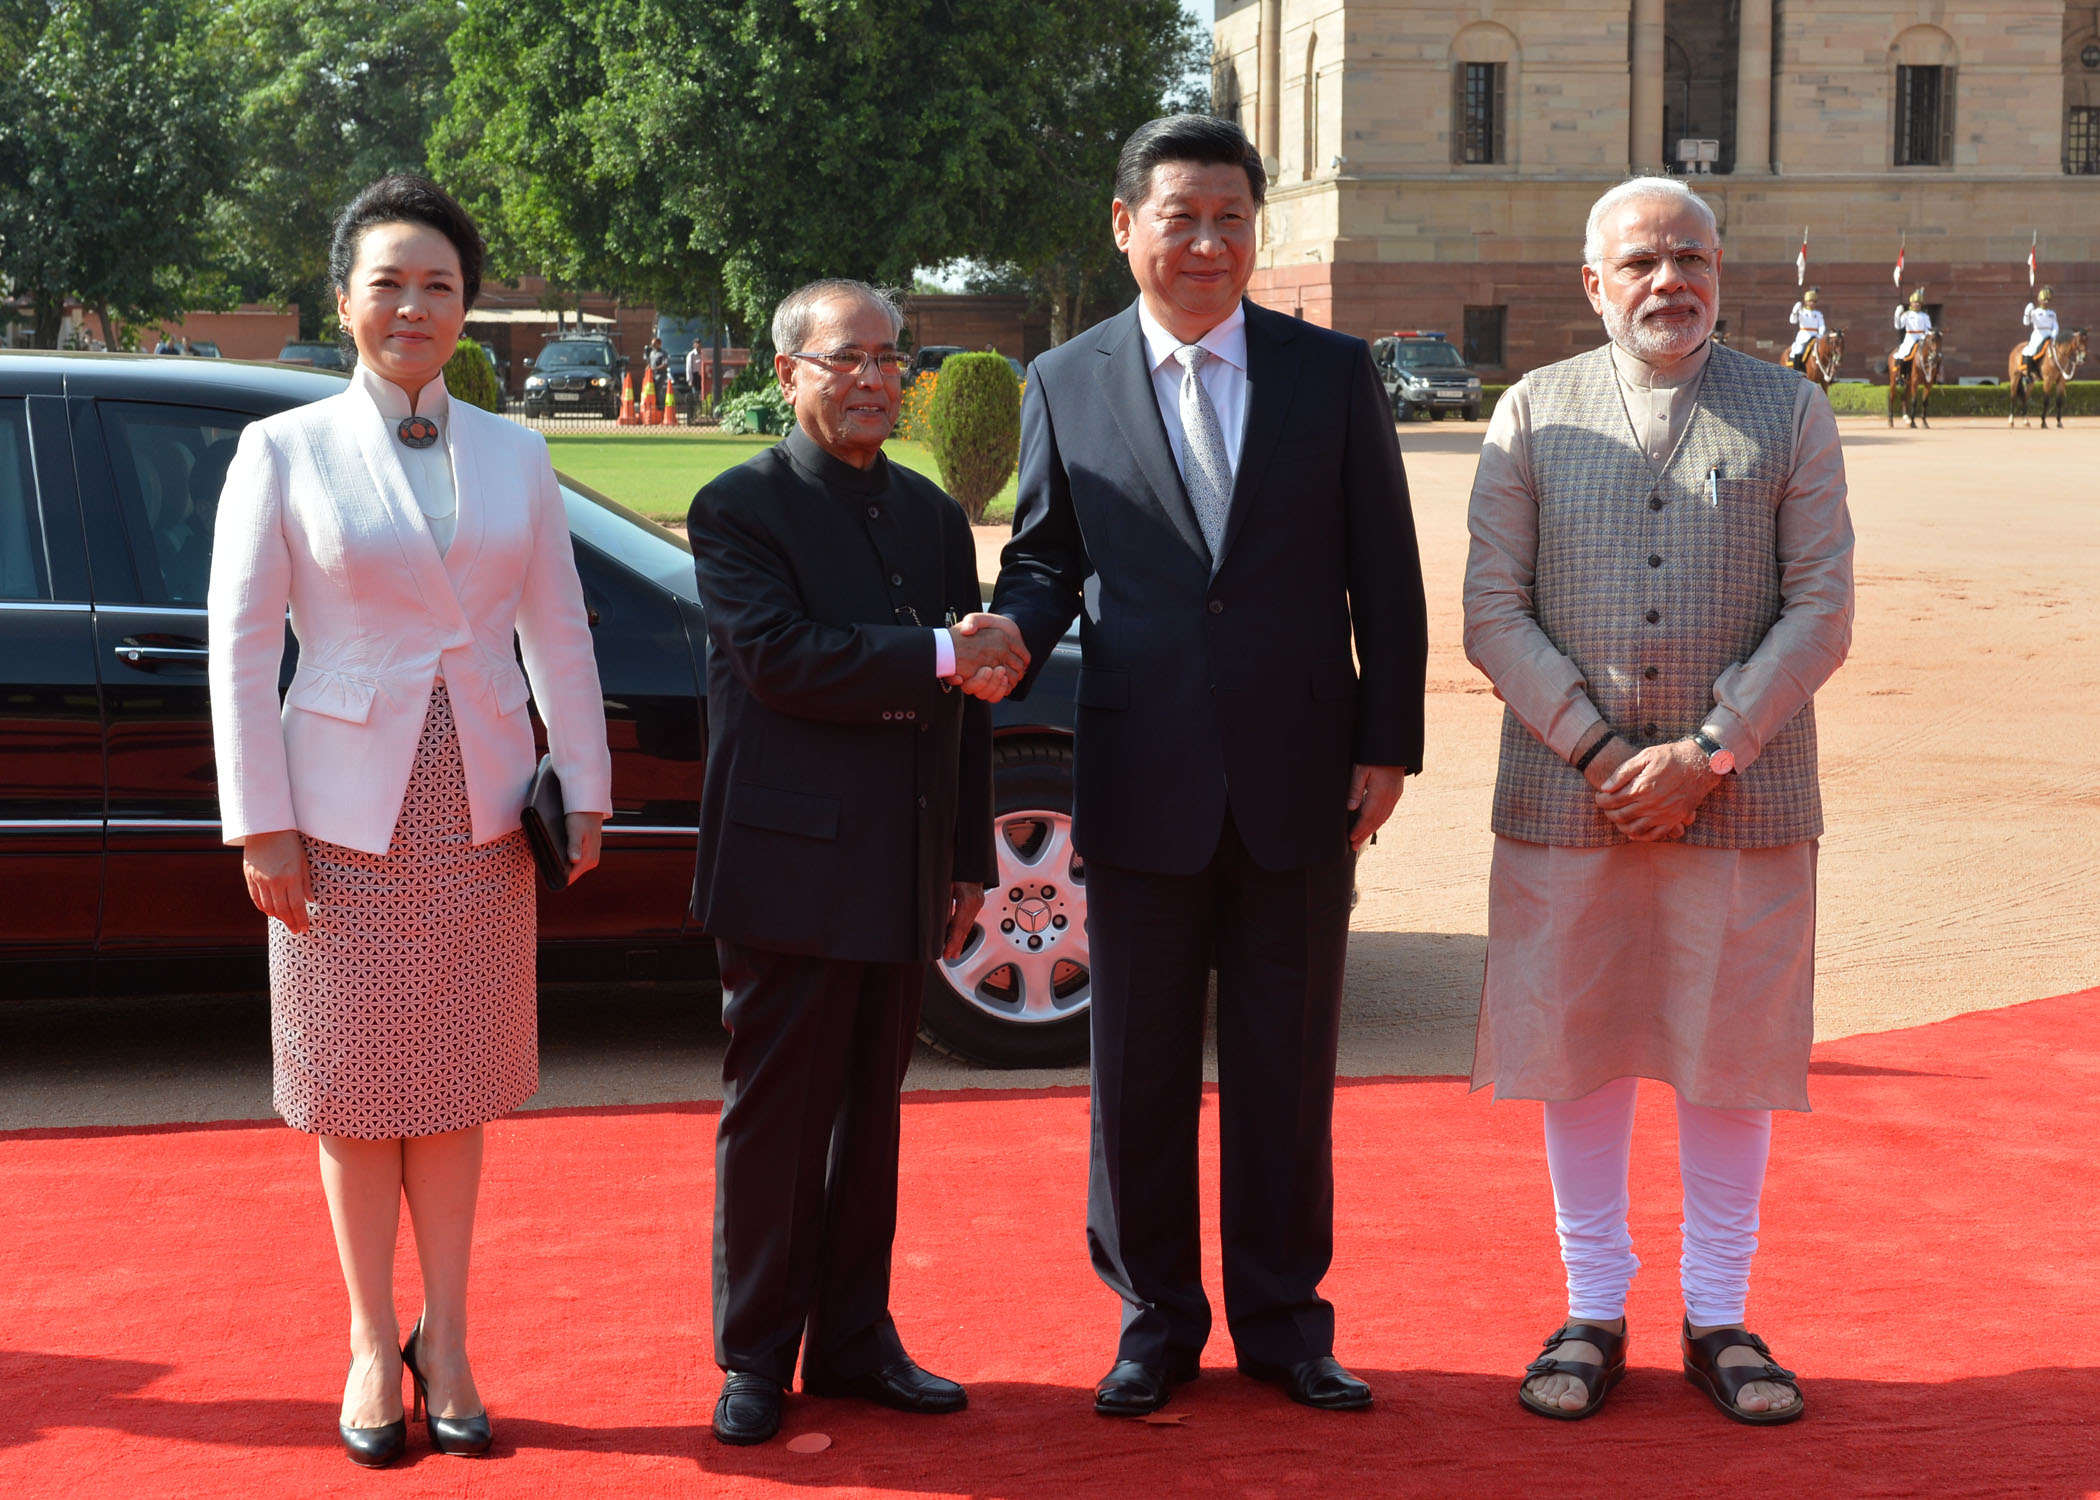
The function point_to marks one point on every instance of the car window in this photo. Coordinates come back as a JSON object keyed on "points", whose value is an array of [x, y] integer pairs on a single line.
{"points": [[170, 463], [561, 356], [21, 542], [1439, 355], [630, 540]]}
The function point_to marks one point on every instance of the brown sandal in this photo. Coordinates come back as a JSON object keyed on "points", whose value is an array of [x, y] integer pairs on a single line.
{"points": [[1597, 1380], [1723, 1383]]}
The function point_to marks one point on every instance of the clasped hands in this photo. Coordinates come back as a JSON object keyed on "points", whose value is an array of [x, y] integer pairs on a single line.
{"points": [[1653, 795], [990, 657]]}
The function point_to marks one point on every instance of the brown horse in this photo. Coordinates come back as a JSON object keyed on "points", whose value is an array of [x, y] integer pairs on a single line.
{"points": [[2060, 360], [1911, 380], [1819, 361]]}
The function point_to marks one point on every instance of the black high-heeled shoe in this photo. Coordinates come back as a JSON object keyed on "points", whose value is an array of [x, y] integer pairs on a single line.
{"points": [[461, 1437], [374, 1447]]}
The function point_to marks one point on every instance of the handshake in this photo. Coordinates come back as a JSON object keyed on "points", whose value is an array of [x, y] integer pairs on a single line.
{"points": [[990, 658]]}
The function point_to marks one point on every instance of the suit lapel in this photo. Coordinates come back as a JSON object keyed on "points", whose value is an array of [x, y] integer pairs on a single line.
{"points": [[1126, 383], [1273, 356], [419, 551], [469, 522]]}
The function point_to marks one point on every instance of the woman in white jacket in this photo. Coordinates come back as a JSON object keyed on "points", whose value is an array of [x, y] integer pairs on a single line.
{"points": [[411, 537]]}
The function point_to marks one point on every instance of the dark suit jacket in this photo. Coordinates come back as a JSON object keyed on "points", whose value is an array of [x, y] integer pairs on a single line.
{"points": [[1205, 688], [846, 786]]}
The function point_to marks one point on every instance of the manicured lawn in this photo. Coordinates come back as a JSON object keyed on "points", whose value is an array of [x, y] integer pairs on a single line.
{"points": [[657, 474]]}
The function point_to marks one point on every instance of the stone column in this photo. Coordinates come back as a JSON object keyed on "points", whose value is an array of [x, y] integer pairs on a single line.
{"points": [[1753, 89], [1270, 143], [1645, 145]]}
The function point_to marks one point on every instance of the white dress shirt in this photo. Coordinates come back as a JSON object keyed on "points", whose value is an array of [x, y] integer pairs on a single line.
{"points": [[1224, 378], [429, 469]]}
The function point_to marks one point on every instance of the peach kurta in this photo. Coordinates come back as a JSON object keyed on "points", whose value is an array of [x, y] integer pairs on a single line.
{"points": [[1694, 966]]}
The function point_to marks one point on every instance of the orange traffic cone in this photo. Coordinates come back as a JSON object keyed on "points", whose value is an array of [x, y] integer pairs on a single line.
{"points": [[670, 404], [627, 418], [651, 417]]}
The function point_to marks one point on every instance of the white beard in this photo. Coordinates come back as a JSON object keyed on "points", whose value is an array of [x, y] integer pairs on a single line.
{"points": [[1653, 342]]}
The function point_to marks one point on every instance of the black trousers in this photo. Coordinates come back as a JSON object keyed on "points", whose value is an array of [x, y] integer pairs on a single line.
{"points": [[806, 1161], [1280, 938]]}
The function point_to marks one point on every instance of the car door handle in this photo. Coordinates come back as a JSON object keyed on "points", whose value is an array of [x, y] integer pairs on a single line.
{"points": [[150, 656]]}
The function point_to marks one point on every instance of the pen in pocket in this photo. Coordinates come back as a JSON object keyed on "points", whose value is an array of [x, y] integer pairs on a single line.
{"points": [[1713, 486]]}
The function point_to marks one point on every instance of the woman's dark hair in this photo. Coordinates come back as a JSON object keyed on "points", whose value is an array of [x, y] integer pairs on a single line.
{"points": [[1202, 139], [405, 198]]}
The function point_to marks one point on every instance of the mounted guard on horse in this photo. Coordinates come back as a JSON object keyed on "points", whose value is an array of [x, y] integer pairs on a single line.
{"points": [[2049, 358], [1914, 364], [1817, 348]]}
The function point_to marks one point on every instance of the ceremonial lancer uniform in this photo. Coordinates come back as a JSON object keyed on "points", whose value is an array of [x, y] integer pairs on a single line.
{"points": [[1809, 319], [1914, 323], [2041, 317]]}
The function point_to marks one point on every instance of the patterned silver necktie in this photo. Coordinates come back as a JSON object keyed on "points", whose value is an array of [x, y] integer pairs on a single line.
{"points": [[1206, 468]]}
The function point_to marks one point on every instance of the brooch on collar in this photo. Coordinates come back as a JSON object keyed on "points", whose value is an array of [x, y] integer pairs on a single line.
{"points": [[417, 432]]}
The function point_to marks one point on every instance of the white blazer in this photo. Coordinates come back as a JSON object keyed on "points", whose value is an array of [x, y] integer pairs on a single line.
{"points": [[317, 514]]}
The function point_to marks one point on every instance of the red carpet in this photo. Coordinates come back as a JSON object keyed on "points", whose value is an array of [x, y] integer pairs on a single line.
{"points": [[171, 1321]]}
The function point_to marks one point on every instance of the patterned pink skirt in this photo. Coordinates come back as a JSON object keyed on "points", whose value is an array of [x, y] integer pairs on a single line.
{"points": [[408, 1006]]}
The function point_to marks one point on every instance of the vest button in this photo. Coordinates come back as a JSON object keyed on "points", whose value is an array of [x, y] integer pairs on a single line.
{"points": [[1655, 560], [1655, 502], [874, 512], [1654, 616], [1217, 606], [896, 580], [1651, 673], [922, 802], [1648, 731]]}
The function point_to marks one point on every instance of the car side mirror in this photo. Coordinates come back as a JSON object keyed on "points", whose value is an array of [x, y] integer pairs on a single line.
{"points": [[526, 361]]}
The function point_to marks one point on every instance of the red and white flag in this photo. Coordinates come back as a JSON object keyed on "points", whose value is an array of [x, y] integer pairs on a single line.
{"points": [[1899, 268], [2032, 245], [1801, 260]]}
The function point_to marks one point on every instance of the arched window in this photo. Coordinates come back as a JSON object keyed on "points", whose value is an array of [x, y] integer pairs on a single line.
{"points": [[2081, 99], [1922, 107], [1483, 58], [1225, 90]]}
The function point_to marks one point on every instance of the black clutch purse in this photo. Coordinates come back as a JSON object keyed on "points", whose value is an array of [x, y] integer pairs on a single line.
{"points": [[546, 828]]}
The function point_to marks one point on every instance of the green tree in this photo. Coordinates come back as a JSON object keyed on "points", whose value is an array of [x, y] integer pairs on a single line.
{"points": [[333, 94], [113, 135], [975, 427]]}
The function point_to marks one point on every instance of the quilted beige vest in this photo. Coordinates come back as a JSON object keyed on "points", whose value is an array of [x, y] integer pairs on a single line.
{"points": [[1654, 585]]}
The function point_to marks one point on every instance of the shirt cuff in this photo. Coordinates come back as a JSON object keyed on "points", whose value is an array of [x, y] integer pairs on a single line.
{"points": [[943, 654]]}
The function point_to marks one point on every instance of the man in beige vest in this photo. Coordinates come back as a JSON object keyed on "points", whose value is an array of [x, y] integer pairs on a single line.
{"points": [[1660, 578]]}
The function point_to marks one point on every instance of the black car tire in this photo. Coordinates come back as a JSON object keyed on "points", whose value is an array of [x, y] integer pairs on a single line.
{"points": [[1401, 410], [1473, 412], [1032, 804]]}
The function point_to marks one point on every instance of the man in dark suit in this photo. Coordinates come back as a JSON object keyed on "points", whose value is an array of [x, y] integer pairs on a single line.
{"points": [[845, 838], [1216, 491]]}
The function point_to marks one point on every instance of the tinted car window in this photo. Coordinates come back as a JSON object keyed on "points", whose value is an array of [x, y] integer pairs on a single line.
{"points": [[1424, 355], [567, 356], [170, 463], [660, 555], [21, 544]]}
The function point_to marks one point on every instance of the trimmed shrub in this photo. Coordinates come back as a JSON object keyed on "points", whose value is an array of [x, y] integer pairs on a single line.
{"points": [[974, 427], [761, 410], [469, 377], [2081, 399]]}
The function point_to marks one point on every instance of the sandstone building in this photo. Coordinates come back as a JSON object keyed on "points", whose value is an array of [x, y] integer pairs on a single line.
{"points": [[1432, 161]]}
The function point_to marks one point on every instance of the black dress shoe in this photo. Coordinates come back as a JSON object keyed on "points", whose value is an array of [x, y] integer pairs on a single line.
{"points": [[902, 1386], [374, 1447], [1321, 1382], [1134, 1388], [749, 1409], [460, 1437]]}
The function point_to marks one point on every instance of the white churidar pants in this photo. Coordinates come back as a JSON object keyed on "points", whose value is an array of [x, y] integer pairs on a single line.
{"points": [[1721, 1155]]}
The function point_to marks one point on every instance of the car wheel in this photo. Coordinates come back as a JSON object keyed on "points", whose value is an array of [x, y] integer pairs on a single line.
{"points": [[1436, 414], [1473, 413], [1018, 996]]}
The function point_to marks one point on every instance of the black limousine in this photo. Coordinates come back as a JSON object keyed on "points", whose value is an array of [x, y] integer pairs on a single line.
{"points": [[113, 879]]}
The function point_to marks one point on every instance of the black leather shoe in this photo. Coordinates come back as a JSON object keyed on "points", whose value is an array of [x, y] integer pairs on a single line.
{"points": [[460, 1437], [902, 1386], [374, 1447], [749, 1410], [1134, 1389], [1321, 1383]]}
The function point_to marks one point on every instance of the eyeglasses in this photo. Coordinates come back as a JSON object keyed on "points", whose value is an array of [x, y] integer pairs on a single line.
{"points": [[1691, 263], [852, 361]]}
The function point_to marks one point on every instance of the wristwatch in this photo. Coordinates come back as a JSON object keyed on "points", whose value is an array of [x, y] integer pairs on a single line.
{"points": [[1719, 759]]}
